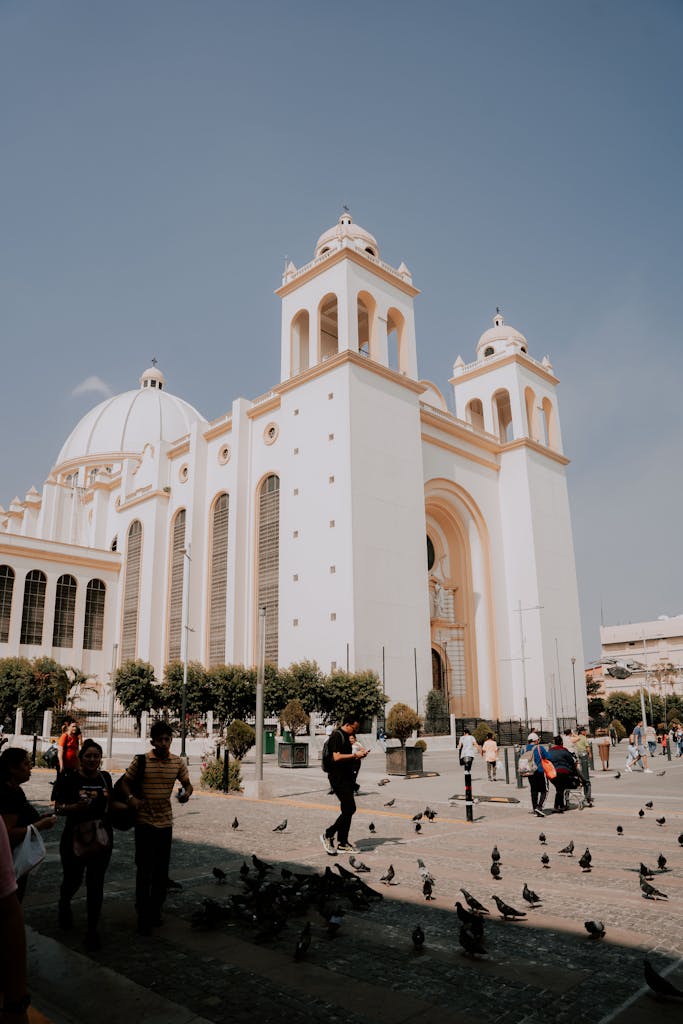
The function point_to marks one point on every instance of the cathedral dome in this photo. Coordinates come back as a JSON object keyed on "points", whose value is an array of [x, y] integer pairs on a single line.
{"points": [[500, 338], [346, 230], [122, 426]]}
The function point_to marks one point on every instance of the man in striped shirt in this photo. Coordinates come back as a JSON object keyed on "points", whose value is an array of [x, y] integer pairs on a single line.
{"points": [[154, 821]]}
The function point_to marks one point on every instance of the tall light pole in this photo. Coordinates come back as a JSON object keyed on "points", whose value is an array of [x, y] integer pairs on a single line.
{"points": [[112, 699], [576, 706], [185, 631], [260, 675], [532, 608]]}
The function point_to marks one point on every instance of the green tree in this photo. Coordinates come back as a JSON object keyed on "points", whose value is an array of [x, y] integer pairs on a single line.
{"points": [[239, 738], [437, 720], [47, 687], [304, 681], [136, 689], [345, 693], [277, 690], [402, 721], [15, 673], [294, 718], [232, 692], [198, 695], [623, 706]]}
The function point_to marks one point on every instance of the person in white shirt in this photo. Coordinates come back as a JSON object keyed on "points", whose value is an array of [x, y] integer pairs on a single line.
{"points": [[489, 751], [468, 748]]}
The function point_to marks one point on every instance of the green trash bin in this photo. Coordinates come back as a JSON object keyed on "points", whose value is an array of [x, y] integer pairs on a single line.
{"points": [[286, 736], [268, 741]]}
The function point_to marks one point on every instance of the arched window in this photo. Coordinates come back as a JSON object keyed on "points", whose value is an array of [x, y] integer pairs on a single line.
{"points": [[531, 413], [65, 612], [366, 324], [299, 341], [6, 591], [34, 608], [328, 328], [131, 592], [503, 415], [549, 423], [396, 340], [268, 561], [218, 580], [93, 626], [175, 594], [474, 412]]}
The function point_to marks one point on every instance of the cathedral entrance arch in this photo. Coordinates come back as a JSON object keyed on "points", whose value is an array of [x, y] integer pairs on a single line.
{"points": [[464, 664]]}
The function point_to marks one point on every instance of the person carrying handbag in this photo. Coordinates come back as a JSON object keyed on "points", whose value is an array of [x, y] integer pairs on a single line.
{"points": [[18, 814], [85, 848]]}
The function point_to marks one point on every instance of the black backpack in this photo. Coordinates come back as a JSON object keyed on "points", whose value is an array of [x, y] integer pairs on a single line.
{"points": [[327, 760], [123, 818]]}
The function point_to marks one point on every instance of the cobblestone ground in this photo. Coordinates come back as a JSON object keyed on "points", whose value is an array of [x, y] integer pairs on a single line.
{"points": [[542, 969]]}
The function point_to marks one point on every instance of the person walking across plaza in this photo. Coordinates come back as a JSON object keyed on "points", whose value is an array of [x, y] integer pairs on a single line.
{"points": [[489, 751], [342, 776], [468, 748], [639, 742], [538, 785], [148, 790]]}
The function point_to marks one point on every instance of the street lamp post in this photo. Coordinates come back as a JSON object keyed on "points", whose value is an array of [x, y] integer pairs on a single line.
{"points": [[185, 631], [260, 675], [576, 706]]}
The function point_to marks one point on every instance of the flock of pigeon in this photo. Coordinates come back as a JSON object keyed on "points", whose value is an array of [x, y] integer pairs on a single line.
{"points": [[267, 903]]}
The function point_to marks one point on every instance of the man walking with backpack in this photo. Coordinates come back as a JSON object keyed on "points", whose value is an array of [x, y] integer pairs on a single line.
{"points": [[339, 761]]}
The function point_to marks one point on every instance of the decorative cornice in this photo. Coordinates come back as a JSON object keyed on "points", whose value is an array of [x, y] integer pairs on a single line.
{"points": [[125, 505], [515, 357], [217, 429], [346, 253], [526, 442], [59, 557], [456, 429], [182, 449], [460, 452], [264, 407]]}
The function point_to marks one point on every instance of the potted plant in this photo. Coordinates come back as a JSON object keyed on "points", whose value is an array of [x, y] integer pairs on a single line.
{"points": [[294, 720], [402, 721]]}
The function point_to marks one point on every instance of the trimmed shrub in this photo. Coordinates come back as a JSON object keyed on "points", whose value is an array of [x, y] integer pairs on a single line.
{"points": [[240, 738], [421, 745], [482, 731], [212, 775], [294, 718], [402, 722]]}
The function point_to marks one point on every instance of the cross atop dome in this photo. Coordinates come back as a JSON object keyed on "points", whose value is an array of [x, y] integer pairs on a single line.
{"points": [[152, 377]]}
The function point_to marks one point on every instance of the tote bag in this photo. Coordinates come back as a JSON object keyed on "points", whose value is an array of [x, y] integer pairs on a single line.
{"points": [[548, 768], [29, 853]]}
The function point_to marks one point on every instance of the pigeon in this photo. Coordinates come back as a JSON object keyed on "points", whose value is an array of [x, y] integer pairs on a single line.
{"points": [[530, 896], [545, 860], [617, 775], [427, 888], [645, 872], [641, 813], [495, 871], [388, 876], [219, 875], [244, 870], [495, 855], [661, 862], [587, 855], [285, 874], [390, 803], [507, 912], [235, 824], [542, 840], [661, 773], [417, 817], [649, 805], [568, 849], [358, 865], [660, 985], [471, 943], [660, 821], [281, 827], [383, 782], [303, 942], [595, 929], [430, 814], [474, 904], [680, 839], [649, 892], [172, 886], [585, 862], [371, 827], [425, 873], [475, 921], [209, 916], [334, 920], [418, 828], [418, 937], [260, 865], [620, 830]]}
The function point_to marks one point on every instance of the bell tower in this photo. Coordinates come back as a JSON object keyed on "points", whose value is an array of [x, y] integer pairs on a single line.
{"points": [[347, 299]]}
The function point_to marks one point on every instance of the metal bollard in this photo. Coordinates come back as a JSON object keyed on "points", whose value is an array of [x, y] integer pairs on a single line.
{"points": [[507, 768], [469, 804], [520, 781], [668, 751], [226, 769]]}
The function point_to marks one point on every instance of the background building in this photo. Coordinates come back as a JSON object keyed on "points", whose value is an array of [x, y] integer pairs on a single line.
{"points": [[379, 529], [651, 652]]}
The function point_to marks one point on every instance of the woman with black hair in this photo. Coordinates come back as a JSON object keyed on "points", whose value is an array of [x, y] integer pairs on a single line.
{"points": [[82, 797], [17, 813]]}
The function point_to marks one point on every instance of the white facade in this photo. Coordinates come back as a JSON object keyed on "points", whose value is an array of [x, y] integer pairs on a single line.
{"points": [[316, 500], [650, 652]]}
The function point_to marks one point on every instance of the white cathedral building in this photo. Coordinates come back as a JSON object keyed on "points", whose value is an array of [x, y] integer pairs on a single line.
{"points": [[377, 528]]}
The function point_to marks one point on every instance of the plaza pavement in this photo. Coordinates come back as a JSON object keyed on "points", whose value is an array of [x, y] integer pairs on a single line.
{"points": [[544, 969]]}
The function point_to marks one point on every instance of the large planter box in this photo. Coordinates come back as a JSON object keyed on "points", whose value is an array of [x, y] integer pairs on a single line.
{"points": [[404, 760], [292, 755]]}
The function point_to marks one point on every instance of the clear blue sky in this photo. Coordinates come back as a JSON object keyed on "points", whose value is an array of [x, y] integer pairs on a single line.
{"points": [[160, 158]]}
